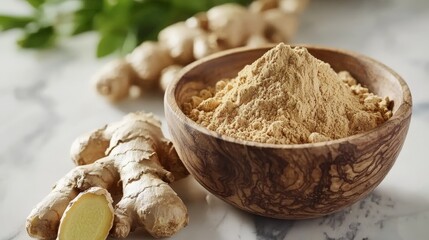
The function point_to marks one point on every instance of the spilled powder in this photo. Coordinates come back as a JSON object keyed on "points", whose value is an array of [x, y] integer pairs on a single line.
{"points": [[288, 97]]}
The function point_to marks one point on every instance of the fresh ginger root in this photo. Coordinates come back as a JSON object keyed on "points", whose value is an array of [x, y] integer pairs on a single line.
{"points": [[115, 79], [88, 217], [131, 157], [221, 27]]}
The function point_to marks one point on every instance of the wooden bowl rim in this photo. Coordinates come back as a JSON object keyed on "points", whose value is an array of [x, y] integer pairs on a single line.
{"points": [[403, 111]]}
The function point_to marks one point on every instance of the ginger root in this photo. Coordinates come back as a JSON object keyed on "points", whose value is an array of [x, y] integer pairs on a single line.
{"points": [[88, 217], [168, 74], [130, 158], [221, 27], [277, 30], [207, 44], [179, 38], [148, 60], [115, 80], [229, 22]]}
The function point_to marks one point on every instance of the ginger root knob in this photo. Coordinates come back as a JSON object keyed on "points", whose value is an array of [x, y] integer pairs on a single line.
{"points": [[138, 158]]}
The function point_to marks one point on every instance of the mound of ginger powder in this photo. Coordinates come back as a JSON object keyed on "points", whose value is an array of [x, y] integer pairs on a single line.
{"points": [[287, 96]]}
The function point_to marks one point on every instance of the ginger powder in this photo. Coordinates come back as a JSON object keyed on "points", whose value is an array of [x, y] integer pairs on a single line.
{"points": [[288, 97]]}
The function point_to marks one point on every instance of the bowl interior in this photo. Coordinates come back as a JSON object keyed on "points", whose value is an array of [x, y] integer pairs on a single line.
{"points": [[370, 73]]}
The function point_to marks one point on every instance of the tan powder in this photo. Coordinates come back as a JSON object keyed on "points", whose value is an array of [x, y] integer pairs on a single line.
{"points": [[288, 97]]}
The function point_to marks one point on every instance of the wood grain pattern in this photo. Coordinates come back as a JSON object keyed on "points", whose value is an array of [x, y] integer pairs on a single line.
{"points": [[289, 181]]}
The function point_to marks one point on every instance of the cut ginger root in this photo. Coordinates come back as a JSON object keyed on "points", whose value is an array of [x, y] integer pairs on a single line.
{"points": [[130, 159], [88, 217]]}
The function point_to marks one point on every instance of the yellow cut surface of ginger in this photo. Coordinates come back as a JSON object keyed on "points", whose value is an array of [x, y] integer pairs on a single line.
{"points": [[88, 217]]}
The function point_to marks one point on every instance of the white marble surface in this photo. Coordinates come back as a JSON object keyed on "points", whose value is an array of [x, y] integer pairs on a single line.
{"points": [[46, 101]]}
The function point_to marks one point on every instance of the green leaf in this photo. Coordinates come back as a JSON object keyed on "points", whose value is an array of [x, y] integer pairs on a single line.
{"points": [[121, 24], [219, 2], [82, 21], [150, 19], [92, 5], [83, 18], [130, 42], [36, 3], [190, 5], [109, 44], [114, 17], [9, 22], [41, 38]]}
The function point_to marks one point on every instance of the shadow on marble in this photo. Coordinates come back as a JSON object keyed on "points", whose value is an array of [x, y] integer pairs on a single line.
{"points": [[384, 214], [365, 219], [149, 102]]}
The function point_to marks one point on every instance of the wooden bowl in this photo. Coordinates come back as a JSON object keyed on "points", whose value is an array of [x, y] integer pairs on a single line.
{"points": [[288, 181]]}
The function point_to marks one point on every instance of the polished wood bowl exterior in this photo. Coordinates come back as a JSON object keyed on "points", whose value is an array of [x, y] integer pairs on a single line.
{"points": [[288, 181]]}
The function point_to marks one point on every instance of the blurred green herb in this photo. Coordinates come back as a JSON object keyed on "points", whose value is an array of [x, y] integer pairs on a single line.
{"points": [[121, 24]]}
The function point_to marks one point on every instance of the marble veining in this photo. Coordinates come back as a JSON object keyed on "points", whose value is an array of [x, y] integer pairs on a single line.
{"points": [[46, 101], [41, 131], [267, 228]]}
